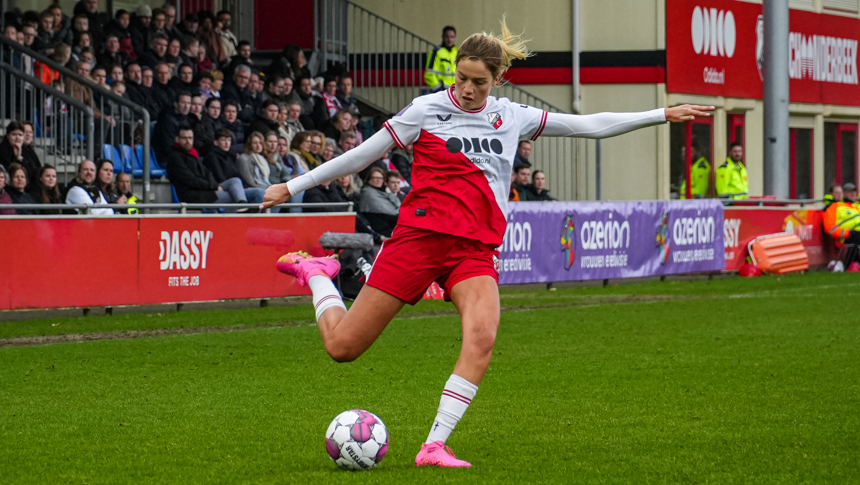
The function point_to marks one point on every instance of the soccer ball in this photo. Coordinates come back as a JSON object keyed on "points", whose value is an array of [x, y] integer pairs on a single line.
{"points": [[356, 440]]}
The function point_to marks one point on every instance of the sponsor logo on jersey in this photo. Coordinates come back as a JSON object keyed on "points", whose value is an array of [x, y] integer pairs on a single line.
{"points": [[474, 145], [495, 119], [443, 120]]}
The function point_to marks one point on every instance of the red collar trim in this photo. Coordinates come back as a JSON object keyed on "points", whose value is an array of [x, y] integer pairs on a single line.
{"points": [[457, 103]]}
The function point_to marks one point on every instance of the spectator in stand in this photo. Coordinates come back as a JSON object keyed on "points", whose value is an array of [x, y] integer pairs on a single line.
{"points": [[300, 155], [44, 41], [82, 41], [317, 142], [284, 153], [99, 76], [344, 93], [170, 25], [45, 190], [95, 20], [237, 91], [242, 58], [123, 187], [88, 55], [284, 129], [140, 36], [290, 94], [5, 198], [17, 189], [221, 161], [11, 33], [120, 27], [326, 193], [441, 63], [202, 61], [255, 88], [12, 147], [157, 52], [188, 54], [330, 150], [401, 158], [162, 94], [31, 160], [159, 22], [115, 75], [278, 172], [537, 190], [136, 90], [229, 42], [184, 82], [392, 182], [378, 206], [168, 125], [194, 183], [208, 127], [524, 151], [104, 178], [347, 141], [174, 48], [306, 97], [189, 25], [84, 190], [274, 90], [267, 118], [348, 186], [62, 25], [112, 55], [519, 183], [253, 164], [231, 122], [216, 80], [291, 64], [341, 123], [195, 114], [327, 105], [210, 36], [147, 75]]}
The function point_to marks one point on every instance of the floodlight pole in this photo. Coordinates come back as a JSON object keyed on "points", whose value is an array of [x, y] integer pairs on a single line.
{"points": [[776, 131]]}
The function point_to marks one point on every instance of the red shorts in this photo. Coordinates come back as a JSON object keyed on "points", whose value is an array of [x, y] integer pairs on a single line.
{"points": [[409, 262]]}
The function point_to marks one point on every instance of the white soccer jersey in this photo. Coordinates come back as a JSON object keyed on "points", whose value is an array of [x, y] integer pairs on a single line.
{"points": [[462, 164]]}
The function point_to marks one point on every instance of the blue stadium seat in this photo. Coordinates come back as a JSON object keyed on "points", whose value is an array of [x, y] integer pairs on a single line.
{"points": [[127, 158], [155, 169], [110, 152]]}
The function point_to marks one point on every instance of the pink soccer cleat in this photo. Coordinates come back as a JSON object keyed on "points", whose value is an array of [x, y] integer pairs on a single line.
{"points": [[437, 454], [302, 265]]}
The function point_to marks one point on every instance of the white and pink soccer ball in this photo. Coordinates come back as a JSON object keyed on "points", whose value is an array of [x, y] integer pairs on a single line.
{"points": [[356, 440]]}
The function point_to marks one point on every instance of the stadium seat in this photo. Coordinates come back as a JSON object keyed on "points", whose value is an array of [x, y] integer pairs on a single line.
{"points": [[110, 152], [155, 169], [127, 154]]}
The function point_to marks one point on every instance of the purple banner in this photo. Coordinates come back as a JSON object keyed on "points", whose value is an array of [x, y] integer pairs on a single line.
{"points": [[572, 241]]}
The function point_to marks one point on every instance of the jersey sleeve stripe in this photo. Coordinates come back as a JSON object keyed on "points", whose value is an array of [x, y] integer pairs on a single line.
{"points": [[394, 135], [541, 127]]}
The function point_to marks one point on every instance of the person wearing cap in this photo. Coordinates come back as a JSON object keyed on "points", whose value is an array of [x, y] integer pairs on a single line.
{"points": [[849, 194], [189, 25], [841, 219], [140, 38]]}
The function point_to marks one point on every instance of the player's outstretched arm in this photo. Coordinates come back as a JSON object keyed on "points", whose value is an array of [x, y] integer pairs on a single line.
{"points": [[603, 125], [350, 162]]}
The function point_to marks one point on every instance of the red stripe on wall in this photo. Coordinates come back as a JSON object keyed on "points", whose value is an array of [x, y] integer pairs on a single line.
{"points": [[540, 75], [622, 75]]}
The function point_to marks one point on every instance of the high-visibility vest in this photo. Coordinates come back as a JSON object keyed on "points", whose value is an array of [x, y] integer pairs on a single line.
{"points": [[700, 172], [840, 218], [439, 72], [132, 200], [732, 181]]}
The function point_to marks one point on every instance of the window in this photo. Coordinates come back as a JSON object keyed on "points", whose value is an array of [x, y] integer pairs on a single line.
{"points": [[801, 182], [843, 5], [840, 153]]}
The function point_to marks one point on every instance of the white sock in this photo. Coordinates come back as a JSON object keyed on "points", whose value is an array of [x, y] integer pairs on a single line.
{"points": [[456, 397], [325, 294]]}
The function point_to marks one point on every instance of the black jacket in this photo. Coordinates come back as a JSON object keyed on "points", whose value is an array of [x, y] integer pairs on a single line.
{"points": [[163, 97], [263, 125], [142, 96], [150, 58], [194, 182], [21, 198], [331, 194], [534, 195], [29, 160], [238, 132], [246, 101], [164, 135], [222, 164], [204, 134], [180, 87]]}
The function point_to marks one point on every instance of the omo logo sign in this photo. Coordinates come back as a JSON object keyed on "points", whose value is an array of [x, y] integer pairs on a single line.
{"points": [[474, 145], [713, 32]]}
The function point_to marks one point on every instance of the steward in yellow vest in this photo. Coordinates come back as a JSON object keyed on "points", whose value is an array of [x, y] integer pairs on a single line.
{"points": [[701, 175], [731, 177], [439, 72]]}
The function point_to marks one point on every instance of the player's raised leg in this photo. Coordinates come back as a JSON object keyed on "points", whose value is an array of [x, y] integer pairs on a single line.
{"points": [[346, 334], [477, 300]]}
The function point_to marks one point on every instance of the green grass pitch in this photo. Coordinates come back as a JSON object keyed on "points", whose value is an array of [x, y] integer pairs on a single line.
{"points": [[725, 381]]}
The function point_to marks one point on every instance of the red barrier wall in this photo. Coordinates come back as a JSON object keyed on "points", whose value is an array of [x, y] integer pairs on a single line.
{"points": [[77, 262], [742, 225]]}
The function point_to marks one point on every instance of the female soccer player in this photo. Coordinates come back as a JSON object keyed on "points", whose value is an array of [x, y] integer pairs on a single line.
{"points": [[452, 221]]}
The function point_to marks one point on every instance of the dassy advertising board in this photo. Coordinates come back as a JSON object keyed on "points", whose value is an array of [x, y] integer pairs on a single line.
{"points": [[567, 241], [716, 47]]}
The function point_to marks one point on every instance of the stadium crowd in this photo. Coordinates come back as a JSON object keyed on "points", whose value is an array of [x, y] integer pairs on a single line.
{"points": [[224, 128]]}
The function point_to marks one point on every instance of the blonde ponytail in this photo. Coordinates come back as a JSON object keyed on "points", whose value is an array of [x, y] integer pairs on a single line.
{"points": [[496, 52]]}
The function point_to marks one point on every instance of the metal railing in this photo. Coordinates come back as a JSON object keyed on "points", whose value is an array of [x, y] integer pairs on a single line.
{"points": [[73, 117], [387, 64]]}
